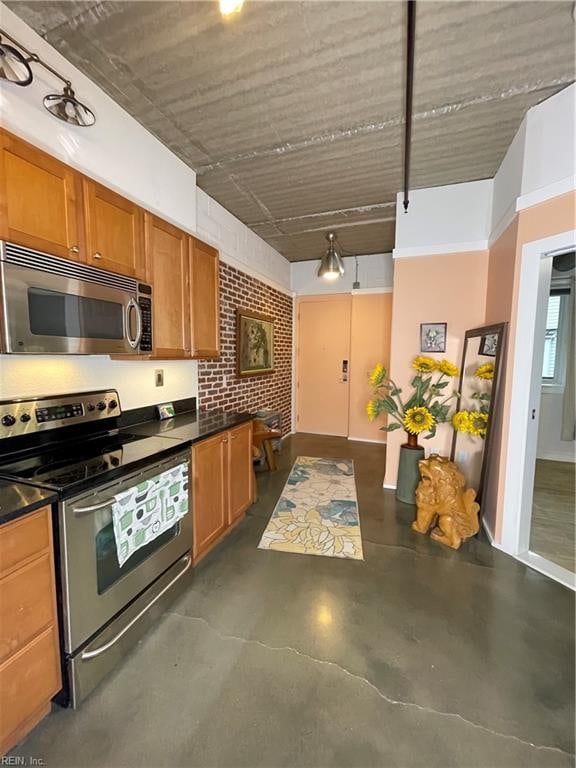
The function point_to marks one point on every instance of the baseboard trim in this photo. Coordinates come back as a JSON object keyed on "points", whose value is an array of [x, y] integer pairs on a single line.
{"points": [[367, 440], [548, 568], [568, 458]]}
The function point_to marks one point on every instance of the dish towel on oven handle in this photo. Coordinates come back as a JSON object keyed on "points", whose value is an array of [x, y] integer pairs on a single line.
{"points": [[146, 511]]}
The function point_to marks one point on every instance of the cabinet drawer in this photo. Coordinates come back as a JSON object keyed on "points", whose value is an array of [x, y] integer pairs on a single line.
{"points": [[27, 681], [26, 605], [24, 538]]}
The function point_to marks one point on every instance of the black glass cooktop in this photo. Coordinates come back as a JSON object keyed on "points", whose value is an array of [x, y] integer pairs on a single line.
{"points": [[69, 467]]}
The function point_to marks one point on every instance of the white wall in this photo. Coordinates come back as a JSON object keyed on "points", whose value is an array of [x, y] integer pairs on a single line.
{"points": [[550, 446], [508, 184], [374, 271], [451, 219], [550, 155], [22, 375], [238, 245]]}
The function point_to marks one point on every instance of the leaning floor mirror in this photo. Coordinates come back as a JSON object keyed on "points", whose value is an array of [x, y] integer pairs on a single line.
{"points": [[478, 403]]}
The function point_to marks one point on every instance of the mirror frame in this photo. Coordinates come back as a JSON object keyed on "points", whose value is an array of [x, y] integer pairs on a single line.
{"points": [[473, 333]]}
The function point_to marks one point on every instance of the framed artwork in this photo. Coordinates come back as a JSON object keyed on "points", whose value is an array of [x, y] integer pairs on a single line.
{"points": [[433, 337], [254, 343], [488, 345]]}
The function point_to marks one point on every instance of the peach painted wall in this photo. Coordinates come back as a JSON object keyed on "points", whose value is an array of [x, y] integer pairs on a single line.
{"points": [[369, 344], [544, 220], [447, 288]]}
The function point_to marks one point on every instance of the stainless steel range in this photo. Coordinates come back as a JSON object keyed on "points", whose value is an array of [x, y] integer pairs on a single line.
{"points": [[72, 444]]}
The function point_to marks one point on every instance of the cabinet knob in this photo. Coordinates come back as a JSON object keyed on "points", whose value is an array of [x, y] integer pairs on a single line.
{"points": [[97, 255], [74, 249], [234, 437], [225, 440]]}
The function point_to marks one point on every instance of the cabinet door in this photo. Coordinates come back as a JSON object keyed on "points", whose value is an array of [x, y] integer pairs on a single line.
{"points": [[204, 299], [210, 497], [239, 471], [167, 268], [40, 200], [114, 231]]}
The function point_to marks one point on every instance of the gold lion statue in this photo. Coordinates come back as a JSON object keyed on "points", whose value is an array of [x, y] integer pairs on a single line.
{"points": [[441, 499]]}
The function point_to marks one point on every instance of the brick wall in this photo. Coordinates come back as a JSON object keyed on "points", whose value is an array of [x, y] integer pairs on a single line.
{"points": [[218, 384]]}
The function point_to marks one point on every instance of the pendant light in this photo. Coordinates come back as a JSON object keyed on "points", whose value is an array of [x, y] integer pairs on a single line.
{"points": [[331, 265], [66, 107], [13, 66], [15, 61]]}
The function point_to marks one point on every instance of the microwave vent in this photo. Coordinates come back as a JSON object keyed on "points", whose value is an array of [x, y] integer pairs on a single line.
{"points": [[44, 262]]}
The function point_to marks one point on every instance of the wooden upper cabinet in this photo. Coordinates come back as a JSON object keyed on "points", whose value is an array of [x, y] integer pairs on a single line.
{"points": [[114, 231], [40, 200], [240, 492], [210, 492], [167, 268], [204, 299]]}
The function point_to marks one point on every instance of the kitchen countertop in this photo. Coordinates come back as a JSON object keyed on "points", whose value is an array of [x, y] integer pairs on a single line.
{"points": [[18, 499], [191, 427]]}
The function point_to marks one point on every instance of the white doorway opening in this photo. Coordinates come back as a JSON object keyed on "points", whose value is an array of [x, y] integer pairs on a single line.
{"points": [[533, 294]]}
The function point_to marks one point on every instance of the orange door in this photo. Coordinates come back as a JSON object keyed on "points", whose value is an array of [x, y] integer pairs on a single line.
{"points": [[323, 346]]}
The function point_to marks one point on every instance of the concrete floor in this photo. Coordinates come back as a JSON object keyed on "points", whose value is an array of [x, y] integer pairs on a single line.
{"points": [[417, 656]]}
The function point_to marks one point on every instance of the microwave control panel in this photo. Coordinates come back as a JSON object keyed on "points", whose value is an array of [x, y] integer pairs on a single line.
{"points": [[26, 416]]}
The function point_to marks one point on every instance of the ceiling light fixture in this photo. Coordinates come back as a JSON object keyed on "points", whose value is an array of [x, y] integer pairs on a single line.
{"points": [[331, 265], [229, 7], [15, 68]]}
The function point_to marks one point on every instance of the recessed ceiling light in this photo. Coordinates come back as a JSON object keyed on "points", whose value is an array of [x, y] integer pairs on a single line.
{"points": [[229, 7]]}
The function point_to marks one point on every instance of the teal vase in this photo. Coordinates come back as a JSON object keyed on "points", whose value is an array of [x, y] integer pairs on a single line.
{"points": [[408, 470]]}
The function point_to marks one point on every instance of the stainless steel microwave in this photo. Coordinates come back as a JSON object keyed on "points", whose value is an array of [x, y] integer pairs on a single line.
{"points": [[55, 306]]}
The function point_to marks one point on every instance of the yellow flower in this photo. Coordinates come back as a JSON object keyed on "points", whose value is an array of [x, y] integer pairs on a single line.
{"points": [[478, 424], [461, 421], [424, 364], [418, 419], [448, 368], [485, 371], [371, 410], [377, 375]]}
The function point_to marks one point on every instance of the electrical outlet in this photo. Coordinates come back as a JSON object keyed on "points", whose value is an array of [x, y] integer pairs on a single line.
{"points": [[159, 377]]}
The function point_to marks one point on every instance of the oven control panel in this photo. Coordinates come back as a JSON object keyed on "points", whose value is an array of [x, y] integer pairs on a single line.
{"points": [[26, 416]]}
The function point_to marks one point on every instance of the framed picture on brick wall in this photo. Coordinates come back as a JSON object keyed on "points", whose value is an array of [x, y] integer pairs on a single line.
{"points": [[254, 343]]}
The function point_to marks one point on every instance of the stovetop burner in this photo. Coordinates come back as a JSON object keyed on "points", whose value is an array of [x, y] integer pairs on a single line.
{"points": [[70, 458]]}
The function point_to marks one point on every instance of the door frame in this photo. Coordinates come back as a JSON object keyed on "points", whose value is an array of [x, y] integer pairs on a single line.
{"points": [[526, 382]]}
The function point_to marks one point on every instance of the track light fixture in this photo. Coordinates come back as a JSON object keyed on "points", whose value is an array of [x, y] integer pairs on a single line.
{"points": [[15, 61]]}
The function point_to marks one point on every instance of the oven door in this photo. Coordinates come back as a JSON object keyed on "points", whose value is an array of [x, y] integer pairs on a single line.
{"points": [[45, 313], [95, 587]]}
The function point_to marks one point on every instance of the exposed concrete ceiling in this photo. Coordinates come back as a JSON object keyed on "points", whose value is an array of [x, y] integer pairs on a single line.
{"points": [[291, 112]]}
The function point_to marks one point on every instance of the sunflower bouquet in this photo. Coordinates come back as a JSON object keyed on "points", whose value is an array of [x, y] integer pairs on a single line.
{"points": [[474, 421], [427, 406]]}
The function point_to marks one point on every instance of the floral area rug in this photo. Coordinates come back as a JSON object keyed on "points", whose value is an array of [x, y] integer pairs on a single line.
{"points": [[317, 513]]}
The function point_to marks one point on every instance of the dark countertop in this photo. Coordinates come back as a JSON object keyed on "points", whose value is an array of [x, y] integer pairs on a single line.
{"points": [[18, 499], [191, 427]]}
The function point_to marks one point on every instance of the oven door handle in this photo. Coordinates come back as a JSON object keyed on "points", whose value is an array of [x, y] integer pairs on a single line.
{"points": [[133, 305], [79, 511], [86, 655]]}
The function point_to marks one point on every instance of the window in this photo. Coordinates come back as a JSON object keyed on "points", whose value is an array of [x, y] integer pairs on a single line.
{"points": [[556, 337]]}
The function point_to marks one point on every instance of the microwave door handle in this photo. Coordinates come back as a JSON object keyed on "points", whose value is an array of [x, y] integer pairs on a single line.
{"points": [[133, 304]]}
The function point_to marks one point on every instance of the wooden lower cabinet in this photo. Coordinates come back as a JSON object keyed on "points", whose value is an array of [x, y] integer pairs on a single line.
{"points": [[29, 648], [222, 485]]}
